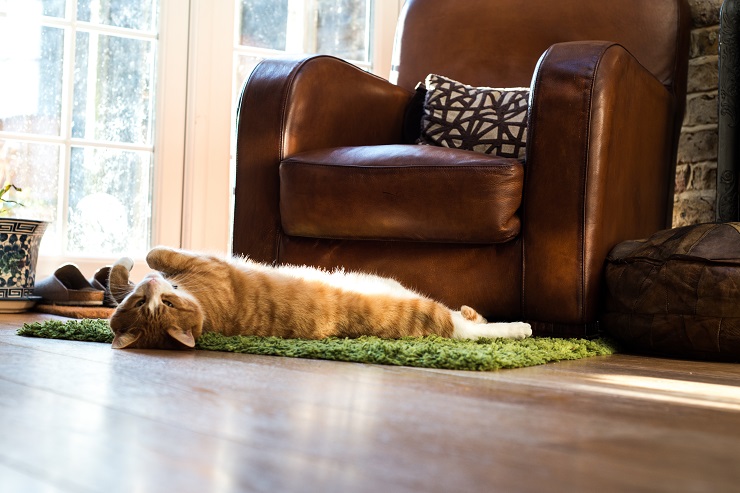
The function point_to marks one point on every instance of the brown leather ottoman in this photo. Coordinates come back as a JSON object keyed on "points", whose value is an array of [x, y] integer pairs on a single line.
{"points": [[677, 293]]}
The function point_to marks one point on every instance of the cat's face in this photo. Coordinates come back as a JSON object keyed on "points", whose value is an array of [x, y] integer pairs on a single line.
{"points": [[156, 315]]}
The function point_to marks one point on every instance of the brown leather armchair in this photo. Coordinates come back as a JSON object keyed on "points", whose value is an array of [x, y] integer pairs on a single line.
{"points": [[323, 179]]}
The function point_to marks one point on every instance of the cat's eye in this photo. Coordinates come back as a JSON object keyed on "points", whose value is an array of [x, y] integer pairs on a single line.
{"points": [[168, 303], [140, 302]]}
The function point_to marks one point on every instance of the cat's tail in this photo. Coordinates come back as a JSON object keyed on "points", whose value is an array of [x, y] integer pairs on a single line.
{"points": [[469, 324]]}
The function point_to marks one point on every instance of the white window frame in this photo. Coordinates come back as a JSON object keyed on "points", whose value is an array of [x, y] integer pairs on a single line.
{"points": [[168, 142], [192, 182]]}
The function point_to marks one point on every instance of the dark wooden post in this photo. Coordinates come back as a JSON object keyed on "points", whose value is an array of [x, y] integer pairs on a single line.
{"points": [[728, 159]]}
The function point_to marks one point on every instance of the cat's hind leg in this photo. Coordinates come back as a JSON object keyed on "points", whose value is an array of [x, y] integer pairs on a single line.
{"points": [[470, 314], [464, 328]]}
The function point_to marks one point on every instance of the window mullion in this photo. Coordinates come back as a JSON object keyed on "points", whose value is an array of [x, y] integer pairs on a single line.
{"points": [[296, 36], [208, 122], [370, 22], [91, 117], [70, 48], [385, 15]]}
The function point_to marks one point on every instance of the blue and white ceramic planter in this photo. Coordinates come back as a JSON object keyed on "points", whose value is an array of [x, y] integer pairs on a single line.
{"points": [[19, 252]]}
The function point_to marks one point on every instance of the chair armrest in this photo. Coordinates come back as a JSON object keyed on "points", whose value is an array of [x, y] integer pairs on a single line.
{"points": [[289, 106], [599, 168]]}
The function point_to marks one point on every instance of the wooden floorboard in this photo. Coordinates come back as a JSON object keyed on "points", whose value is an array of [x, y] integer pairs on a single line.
{"points": [[81, 417]]}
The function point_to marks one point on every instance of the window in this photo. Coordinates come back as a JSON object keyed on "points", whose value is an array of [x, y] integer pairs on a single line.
{"points": [[360, 31], [117, 121], [270, 27], [76, 119]]}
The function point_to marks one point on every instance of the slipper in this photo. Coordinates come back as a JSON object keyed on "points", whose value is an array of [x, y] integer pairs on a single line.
{"points": [[68, 286], [100, 281]]}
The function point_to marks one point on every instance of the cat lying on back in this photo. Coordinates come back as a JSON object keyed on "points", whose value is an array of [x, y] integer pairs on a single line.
{"points": [[193, 293]]}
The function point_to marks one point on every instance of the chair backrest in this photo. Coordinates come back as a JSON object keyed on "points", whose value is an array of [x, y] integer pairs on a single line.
{"points": [[498, 42]]}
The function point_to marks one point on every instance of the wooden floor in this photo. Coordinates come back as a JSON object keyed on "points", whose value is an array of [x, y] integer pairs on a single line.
{"points": [[81, 417]]}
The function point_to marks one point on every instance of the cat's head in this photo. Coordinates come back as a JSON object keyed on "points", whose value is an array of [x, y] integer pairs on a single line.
{"points": [[153, 314]]}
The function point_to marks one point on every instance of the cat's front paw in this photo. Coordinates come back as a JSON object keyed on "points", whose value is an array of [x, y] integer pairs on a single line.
{"points": [[519, 330], [118, 280], [125, 262]]}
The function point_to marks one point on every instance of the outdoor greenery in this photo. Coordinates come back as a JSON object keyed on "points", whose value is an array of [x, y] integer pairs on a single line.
{"points": [[8, 204]]}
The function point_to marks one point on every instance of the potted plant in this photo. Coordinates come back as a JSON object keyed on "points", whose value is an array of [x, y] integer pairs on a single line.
{"points": [[19, 252]]}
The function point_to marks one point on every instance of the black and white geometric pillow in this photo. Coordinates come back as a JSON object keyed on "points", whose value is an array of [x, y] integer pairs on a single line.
{"points": [[484, 119]]}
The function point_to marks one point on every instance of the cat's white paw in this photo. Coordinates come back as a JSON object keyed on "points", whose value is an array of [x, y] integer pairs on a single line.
{"points": [[126, 262], [466, 329], [519, 330], [510, 330]]}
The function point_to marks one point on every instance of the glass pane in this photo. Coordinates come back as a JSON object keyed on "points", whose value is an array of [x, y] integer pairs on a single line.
{"points": [[35, 169], [113, 88], [342, 28], [109, 202], [133, 14], [53, 8], [335, 27], [30, 99], [244, 66], [263, 23]]}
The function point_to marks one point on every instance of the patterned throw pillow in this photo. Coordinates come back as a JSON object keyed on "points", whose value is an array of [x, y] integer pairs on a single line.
{"points": [[483, 119]]}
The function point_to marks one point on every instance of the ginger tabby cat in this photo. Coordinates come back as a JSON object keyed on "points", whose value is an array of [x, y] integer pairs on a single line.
{"points": [[194, 293]]}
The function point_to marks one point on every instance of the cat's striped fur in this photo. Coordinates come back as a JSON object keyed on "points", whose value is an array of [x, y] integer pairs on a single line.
{"points": [[191, 293]]}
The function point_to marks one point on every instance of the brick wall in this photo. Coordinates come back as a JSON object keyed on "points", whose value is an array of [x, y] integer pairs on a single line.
{"points": [[696, 171]]}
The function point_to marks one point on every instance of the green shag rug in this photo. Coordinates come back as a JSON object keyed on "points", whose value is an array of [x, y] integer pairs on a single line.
{"points": [[425, 352]]}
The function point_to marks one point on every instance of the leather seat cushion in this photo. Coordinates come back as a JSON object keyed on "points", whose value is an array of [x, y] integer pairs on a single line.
{"points": [[677, 292], [401, 192]]}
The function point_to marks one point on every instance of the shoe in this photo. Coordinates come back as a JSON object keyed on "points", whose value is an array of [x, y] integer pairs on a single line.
{"points": [[100, 281], [68, 286]]}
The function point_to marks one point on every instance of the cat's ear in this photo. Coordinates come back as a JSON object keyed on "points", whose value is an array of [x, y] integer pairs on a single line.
{"points": [[183, 336], [121, 341], [118, 280]]}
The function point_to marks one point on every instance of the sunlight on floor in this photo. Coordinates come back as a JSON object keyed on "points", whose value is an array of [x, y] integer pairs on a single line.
{"points": [[709, 395]]}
